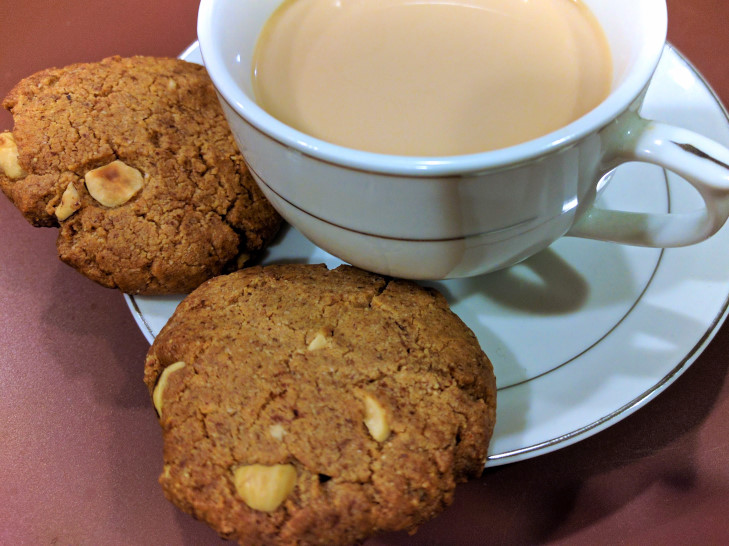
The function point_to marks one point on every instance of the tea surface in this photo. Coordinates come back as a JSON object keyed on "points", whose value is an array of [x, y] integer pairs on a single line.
{"points": [[414, 77]]}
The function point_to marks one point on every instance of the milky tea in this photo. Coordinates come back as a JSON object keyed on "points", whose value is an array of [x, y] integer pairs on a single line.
{"points": [[412, 77]]}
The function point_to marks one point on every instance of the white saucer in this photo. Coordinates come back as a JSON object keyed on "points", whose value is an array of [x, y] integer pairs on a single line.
{"points": [[584, 333]]}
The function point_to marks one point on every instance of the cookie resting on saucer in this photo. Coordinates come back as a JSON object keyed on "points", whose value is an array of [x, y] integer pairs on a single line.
{"points": [[133, 159], [301, 405]]}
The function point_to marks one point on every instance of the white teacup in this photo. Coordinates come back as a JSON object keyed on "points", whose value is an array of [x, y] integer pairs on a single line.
{"points": [[458, 216]]}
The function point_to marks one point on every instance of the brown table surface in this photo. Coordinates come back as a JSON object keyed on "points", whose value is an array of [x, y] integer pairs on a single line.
{"points": [[80, 448]]}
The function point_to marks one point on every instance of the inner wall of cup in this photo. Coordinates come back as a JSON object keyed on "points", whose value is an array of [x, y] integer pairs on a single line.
{"points": [[238, 40], [630, 27]]}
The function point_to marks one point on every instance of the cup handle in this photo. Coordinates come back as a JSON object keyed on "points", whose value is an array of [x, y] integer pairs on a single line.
{"points": [[700, 161]]}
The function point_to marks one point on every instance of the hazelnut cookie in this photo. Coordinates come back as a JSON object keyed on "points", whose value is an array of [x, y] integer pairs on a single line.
{"points": [[133, 159], [302, 405]]}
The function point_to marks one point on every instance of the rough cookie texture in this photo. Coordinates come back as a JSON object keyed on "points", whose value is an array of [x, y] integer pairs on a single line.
{"points": [[198, 208], [372, 390]]}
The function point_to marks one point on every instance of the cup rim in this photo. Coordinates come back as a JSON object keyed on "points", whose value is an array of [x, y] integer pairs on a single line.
{"points": [[602, 115]]}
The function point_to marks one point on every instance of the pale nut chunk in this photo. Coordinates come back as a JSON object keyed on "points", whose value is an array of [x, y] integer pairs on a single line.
{"points": [[70, 203], [241, 260], [320, 341], [263, 487], [114, 184], [159, 389], [9, 157], [376, 419], [277, 431]]}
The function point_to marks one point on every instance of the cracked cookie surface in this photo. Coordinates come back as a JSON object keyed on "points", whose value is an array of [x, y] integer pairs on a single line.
{"points": [[160, 197], [301, 405]]}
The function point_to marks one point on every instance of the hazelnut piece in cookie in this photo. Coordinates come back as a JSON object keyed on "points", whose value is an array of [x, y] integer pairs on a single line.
{"points": [[70, 203], [376, 419], [114, 184], [159, 389], [263, 487], [9, 157], [321, 340]]}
